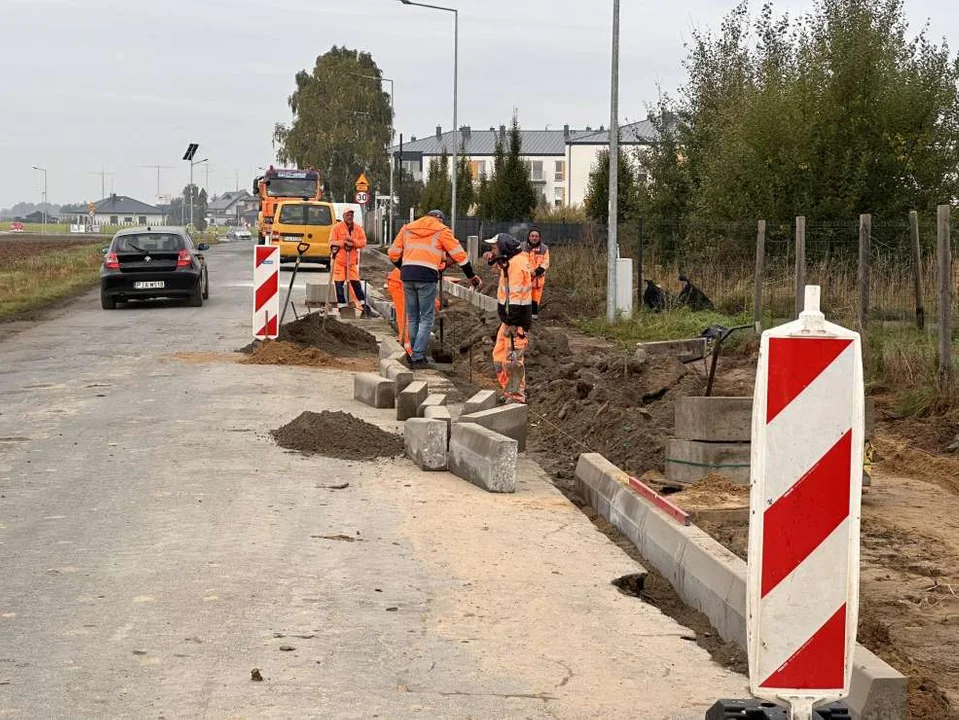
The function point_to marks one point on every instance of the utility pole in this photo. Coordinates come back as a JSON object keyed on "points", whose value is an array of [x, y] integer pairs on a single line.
{"points": [[612, 246], [158, 169], [103, 181], [43, 206]]}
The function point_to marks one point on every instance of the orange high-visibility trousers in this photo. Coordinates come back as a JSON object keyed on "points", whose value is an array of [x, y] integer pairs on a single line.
{"points": [[395, 287], [511, 372], [538, 284]]}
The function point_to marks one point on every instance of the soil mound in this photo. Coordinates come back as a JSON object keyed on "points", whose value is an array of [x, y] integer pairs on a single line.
{"points": [[335, 338], [714, 490], [337, 435], [278, 352]]}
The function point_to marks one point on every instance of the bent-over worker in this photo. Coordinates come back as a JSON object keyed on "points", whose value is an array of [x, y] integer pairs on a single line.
{"points": [[418, 252], [515, 308], [538, 254], [346, 238]]}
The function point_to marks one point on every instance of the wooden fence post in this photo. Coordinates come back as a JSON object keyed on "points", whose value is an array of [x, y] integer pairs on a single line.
{"points": [[639, 265], [865, 240], [945, 298], [800, 263], [760, 264], [917, 269]]}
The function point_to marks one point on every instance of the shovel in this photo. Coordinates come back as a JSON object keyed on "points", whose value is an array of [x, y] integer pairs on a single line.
{"points": [[300, 249], [329, 290]]}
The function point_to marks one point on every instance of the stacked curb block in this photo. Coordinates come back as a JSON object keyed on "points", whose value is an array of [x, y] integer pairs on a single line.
{"points": [[711, 579], [483, 457]]}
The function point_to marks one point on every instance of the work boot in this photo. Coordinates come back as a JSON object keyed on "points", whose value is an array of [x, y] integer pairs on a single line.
{"points": [[366, 312]]}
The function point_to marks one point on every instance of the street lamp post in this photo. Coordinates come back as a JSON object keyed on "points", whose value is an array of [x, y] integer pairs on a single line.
{"points": [[43, 206], [612, 247], [392, 159], [193, 187], [456, 52]]}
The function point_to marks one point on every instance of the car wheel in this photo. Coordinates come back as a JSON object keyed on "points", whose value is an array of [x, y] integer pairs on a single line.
{"points": [[206, 286], [107, 302], [196, 297]]}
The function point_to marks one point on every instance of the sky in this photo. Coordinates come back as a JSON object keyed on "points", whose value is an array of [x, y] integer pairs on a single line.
{"points": [[117, 85]]}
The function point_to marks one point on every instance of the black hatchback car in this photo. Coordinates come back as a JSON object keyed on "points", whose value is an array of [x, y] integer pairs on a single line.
{"points": [[146, 262]]}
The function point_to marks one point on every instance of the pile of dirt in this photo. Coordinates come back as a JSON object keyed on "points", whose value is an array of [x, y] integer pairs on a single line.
{"points": [[712, 491], [278, 352], [332, 337], [337, 435]]}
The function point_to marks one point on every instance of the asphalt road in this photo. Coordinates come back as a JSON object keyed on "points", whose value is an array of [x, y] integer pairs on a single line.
{"points": [[156, 546]]}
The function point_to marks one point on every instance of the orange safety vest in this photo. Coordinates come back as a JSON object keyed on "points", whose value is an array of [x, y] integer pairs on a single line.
{"points": [[424, 242], [515, 282]]}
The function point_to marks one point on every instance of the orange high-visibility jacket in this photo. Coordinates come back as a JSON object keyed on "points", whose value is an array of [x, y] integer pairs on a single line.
{"points": [[339, 236], [421, 244], [538, 258], [514, 296]]}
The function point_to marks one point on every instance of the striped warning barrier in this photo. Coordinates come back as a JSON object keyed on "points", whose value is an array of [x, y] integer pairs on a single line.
{"points": [[266, 287], [808, 424]]}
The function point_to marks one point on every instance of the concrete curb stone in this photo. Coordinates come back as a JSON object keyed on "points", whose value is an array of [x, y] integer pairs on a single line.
{"points": [[425, 442], [509, 420], [483, 400], [373, 390], [410, 399], [483, 457]]}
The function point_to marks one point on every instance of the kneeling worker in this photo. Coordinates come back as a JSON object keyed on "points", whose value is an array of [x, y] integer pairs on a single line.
{"points": [[418, 252], [346, 238], [515, 308]]}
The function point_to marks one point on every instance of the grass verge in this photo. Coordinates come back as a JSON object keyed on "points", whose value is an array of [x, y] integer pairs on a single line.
{"points": [[672, 325], [42, 278]]}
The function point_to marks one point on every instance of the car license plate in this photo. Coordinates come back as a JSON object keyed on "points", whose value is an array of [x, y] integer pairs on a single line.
{"points": [[291, 238], [149, 285]]}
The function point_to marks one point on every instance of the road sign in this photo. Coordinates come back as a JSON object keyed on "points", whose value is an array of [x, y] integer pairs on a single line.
{"points": [[362, 198], [266, 291], [362, 184], [807, 447]]}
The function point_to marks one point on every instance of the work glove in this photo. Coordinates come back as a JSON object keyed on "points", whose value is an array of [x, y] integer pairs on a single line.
{"points": [[349, 245], [539, 272], [476, 281], [334, 250]]}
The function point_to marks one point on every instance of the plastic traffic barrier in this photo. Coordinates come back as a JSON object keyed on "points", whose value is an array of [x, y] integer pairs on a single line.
{"points": [[266, 291], [807, 447]]}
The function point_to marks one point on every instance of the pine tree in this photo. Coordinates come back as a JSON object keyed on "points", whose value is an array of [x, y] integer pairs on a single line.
{"points": [[438, 192], [597, 189], [509, 194]]}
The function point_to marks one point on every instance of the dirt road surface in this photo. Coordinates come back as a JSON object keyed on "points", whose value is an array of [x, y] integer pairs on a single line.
{"points": [[156, 547]]}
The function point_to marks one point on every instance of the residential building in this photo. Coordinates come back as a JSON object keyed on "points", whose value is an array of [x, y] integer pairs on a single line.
{"points": [[583, 149], [123, 210], [230, 207], [560, 160]]}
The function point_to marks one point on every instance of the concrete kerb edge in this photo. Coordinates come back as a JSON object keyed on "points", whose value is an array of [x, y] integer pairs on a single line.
{"points": [[710, 578]]}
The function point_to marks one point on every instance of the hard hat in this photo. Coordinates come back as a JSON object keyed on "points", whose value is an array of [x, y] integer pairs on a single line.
{"points": [[506, 245], [438, 214]]}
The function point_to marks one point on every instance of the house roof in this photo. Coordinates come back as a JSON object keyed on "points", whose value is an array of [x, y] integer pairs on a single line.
{"points": [[121, 204], [637, 133], [227, 200], [534, 142], [483, 142]]}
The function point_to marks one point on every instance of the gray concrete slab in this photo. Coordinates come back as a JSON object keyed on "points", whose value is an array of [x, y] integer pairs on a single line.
{"points": [[483, 457], [509, 420], [713, 419], [409, 400], [156, 545], [688, 460], [426, 442], [373, 390], [483, 400]]}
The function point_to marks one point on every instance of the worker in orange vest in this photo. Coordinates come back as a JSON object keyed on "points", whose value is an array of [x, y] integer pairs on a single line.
{"points": [[515, 308], [538, 255], [346, 239], [418, 252]]}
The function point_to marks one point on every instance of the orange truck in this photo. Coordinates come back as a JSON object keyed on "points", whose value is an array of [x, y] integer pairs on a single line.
{"points": [[276, 186]]}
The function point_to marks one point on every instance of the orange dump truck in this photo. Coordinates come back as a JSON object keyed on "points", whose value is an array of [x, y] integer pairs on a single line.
{"points": [[278, 185]]}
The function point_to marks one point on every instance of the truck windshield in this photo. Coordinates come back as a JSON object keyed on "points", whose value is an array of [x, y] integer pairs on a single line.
{"points": [[291, 187], [306, 215]]}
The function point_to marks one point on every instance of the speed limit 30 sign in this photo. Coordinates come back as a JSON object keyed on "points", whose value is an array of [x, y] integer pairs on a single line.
{"points": [[362, 198]]}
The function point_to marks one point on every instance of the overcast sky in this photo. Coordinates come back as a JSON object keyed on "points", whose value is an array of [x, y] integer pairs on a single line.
{"points": [[118, 84]]}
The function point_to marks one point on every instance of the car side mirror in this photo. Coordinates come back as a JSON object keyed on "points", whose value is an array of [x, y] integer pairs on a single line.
{"points": [[202, 246], [104, 250]]}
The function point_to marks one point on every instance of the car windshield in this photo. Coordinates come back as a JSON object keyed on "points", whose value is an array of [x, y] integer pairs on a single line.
{"points": [[148, 242], [290, 187], [306, 215]]}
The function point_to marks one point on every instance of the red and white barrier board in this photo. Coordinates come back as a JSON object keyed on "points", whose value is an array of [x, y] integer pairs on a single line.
{"points": [[266, 291], [807, 448]]}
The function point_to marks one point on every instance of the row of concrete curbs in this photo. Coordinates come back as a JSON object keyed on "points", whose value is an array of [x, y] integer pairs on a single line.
{"points": [[479, 443], [711, 579]]}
